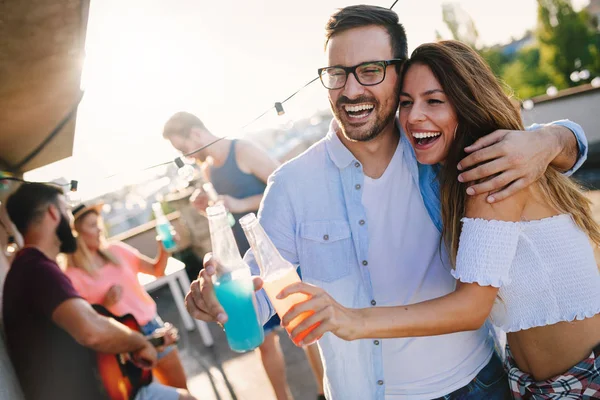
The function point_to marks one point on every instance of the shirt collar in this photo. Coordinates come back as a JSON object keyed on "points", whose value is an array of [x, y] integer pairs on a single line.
{"points": [[339, 154]]}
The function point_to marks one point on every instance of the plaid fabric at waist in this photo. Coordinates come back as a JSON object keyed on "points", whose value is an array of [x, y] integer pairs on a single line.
{"points": [[581, 381]]}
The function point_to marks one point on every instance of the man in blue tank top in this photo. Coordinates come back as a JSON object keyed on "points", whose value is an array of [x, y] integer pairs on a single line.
{"points": [[238, 170]]}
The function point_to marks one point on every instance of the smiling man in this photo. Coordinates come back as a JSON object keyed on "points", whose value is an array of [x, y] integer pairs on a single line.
{"points": [[362, 219]]}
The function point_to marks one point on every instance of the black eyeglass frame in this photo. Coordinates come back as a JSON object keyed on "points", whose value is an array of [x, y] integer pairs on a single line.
{"points": [[348, 70]]}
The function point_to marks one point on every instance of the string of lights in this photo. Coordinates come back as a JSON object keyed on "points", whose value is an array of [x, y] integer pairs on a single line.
{"points": [[278, 106], [72, 184]]}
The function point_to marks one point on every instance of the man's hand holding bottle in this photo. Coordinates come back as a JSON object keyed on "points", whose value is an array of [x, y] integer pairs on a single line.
{"points": [[200, 201], [201, 301]]}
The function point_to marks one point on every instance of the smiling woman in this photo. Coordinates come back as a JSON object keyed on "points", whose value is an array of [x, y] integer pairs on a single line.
{"points": [[428, 118], [449, 99]]}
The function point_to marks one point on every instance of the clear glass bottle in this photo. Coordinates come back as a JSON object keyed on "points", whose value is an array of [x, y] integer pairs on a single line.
{"points": [[277, 273], [233, 285]]}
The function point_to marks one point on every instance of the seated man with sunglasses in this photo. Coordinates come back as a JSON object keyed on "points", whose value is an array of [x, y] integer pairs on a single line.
{"points": [[52, 334]]}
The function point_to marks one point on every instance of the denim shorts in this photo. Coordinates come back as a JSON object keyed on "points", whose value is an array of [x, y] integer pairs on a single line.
{"points": [[491, 383], [272, 324], [148, 329], [157, 391]]}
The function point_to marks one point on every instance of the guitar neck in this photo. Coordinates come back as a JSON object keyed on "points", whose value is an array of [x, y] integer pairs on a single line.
{"points": [[159, 340], [156, 341]]}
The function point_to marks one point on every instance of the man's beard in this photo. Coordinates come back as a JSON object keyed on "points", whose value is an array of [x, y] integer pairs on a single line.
{"points": [[381, 121], [68, 243]]}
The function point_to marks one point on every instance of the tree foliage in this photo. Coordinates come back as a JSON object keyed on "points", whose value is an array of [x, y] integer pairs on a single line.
{"points": [[565, 41]]}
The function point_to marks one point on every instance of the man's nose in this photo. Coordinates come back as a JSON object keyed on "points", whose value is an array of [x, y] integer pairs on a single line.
{"points": [[353, 88]]}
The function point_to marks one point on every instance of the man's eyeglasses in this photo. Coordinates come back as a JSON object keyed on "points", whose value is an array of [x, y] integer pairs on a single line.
{"points": [[369, 73]]}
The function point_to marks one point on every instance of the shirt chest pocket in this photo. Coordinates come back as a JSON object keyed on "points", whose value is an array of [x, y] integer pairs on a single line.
{"points": [[327, 250]]}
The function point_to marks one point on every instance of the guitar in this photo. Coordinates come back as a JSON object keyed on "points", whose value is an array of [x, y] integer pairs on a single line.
{"points": [[120, 377]]}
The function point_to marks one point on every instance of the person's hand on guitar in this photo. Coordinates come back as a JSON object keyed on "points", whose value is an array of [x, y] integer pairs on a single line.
{"points": [[146, 357], [164, 337], [113, 296]]}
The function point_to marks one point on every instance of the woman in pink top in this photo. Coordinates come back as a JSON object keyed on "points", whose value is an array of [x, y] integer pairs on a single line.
{"points": [[106, 274]]}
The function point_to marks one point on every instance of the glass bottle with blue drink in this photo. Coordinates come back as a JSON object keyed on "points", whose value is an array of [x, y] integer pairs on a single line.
{"points": [[233, 285], [164, 229]]}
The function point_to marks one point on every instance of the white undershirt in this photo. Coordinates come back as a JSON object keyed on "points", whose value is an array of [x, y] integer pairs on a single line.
{"points": [[405, 268]]}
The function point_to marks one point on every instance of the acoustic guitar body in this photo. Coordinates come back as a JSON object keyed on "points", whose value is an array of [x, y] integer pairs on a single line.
{"points": [[121, 378]]}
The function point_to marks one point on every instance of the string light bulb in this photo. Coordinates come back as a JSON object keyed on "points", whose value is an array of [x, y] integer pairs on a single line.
{"points": [[11, 247], [279, 108], [73, 197], [185, 171], [11, 241]]}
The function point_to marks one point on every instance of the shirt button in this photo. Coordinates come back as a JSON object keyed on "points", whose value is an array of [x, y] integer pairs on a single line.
{"points": [[365, 263], [373, 302], [357, 187], [380, 382], [356, 164], [325, 237], [376, 342], [361, 222]]}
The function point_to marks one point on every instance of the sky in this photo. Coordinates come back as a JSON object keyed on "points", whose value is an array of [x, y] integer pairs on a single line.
{"points": [[225, 61]]}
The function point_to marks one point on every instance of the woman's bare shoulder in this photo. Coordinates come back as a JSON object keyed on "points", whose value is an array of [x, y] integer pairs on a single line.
{"points": [[509, 209]]}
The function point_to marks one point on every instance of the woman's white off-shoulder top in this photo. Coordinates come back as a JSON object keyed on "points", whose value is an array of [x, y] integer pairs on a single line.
{"points": [[545, 270]]}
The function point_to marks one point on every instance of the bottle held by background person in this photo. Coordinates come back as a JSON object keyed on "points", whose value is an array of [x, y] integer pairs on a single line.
{"points": [[276, 272], [164, 229], [209, 189], [233, 285]]}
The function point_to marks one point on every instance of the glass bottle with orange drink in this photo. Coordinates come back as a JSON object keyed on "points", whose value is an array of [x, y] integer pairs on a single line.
{"points": [[276, 273]]}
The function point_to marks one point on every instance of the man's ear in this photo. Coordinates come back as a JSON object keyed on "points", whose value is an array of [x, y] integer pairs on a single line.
{"points": [[196, 131], [55, 213]]}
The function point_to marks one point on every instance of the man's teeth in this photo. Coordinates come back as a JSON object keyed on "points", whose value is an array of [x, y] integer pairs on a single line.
{"points": [[424, 135], [359, 107]]}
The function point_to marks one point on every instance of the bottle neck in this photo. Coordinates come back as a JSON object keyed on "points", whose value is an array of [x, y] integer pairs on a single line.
{"points": [[224, 247], [158, 212], [270, 262]]}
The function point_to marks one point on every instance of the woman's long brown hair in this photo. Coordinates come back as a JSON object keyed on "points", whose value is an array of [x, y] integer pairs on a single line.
{"points": [[482, 107]]}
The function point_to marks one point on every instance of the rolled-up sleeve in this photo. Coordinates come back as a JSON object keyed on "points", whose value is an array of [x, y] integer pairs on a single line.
{"points": [[582, 143]]}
